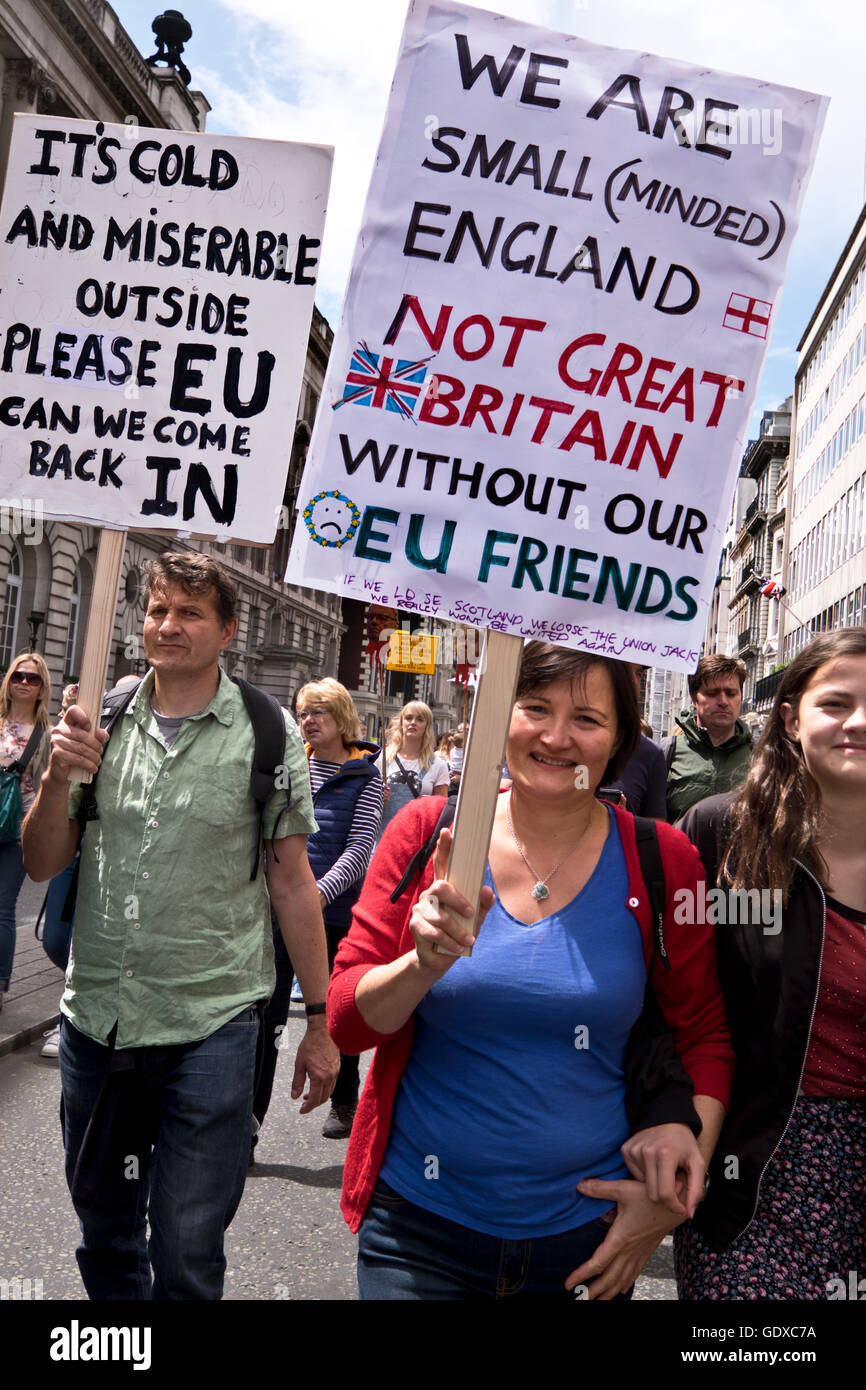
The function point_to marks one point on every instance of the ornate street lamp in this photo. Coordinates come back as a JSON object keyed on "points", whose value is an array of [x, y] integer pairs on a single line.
{"points": [[172, 32], [34, 622]]}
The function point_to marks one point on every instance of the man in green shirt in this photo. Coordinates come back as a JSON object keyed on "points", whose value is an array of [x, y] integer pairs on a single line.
{"points": [[172, 948], [713, 749]]}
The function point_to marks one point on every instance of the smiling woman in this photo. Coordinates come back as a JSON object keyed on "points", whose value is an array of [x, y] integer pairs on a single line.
{"points": [[520, 1114]]}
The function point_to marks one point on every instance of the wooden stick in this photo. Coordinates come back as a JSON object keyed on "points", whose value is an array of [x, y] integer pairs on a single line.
{"points": [[482, 764], [382, 672], [100, 624]]}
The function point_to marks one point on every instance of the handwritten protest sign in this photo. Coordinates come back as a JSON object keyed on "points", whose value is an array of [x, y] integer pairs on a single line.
{"points": [[412, 651], [157, 290], [566, 280]]}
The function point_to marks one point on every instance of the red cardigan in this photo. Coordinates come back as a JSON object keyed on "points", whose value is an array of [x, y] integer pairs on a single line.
{"points": [[689, 993]]}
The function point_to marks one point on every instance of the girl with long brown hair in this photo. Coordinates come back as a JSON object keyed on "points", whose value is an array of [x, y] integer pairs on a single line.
{"points": [[25, 696], [785, 1214]]}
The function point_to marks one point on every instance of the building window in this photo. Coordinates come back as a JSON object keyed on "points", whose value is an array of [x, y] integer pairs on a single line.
{"points": [[9, 628]]}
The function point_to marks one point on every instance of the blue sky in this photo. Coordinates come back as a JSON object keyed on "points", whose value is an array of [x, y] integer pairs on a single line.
{"points": [[321, 72]]}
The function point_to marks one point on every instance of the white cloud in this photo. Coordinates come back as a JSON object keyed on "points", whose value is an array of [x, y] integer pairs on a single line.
{"points": [[322, 73]]}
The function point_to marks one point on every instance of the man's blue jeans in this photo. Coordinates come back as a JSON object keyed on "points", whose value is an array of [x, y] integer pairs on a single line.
{"points": [[11, 878], [173, 1145], [407, 1252]]}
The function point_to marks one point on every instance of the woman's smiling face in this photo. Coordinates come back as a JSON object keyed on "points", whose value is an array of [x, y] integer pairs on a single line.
{"points": [[830, 724], [559, 728]]}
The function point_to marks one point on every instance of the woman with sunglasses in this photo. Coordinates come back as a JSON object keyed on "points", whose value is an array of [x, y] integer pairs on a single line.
{"points": [[24, 699], [413, 768]]}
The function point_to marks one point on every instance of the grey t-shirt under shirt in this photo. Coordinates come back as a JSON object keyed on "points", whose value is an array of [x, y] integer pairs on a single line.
{"points": [[168, 727]]}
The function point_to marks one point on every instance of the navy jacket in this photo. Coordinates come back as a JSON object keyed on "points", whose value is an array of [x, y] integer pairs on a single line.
{"points": [[334, 806]]}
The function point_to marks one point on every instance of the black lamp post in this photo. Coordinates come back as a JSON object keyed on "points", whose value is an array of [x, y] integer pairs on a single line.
{"points": [[172, 32], [34, 622]]}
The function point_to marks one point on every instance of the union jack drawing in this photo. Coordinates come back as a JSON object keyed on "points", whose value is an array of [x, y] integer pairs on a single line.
{"points": [[383, 382]]}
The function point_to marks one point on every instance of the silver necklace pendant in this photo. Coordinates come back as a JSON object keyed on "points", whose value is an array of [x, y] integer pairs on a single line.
{"points": [[539, 892]]}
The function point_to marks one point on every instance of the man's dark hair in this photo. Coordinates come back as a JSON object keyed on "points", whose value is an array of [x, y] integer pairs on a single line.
{"points": [[710, 668], [197, 574]]}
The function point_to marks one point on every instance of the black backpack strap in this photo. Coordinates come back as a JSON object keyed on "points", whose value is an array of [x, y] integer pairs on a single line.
{"points": [[114, 702], [269, 754], [406, 778], [652, 869], [421, 857], [658, 1089]]}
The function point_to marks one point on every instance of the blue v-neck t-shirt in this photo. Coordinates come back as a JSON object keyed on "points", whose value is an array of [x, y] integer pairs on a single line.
{"points": [[514, 1090]]}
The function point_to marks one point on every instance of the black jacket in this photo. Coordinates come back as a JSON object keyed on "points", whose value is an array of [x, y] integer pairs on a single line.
{"points": [[770, 980]]}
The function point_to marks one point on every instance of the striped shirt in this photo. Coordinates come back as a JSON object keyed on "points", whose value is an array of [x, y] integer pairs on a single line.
{"points": [[352, 863]]}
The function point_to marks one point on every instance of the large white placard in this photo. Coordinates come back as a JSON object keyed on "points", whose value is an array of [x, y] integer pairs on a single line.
{"points": [[568, 272], [157, 290]]}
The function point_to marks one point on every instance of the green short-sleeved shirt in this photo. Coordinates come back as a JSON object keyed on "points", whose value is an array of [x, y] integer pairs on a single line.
{"points": [[171, 938]]}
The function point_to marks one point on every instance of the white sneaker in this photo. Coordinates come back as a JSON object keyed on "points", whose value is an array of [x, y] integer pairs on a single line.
{"points": [[51, 1046]]}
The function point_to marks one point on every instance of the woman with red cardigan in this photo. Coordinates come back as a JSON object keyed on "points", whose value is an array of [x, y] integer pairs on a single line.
{"points": [[491, 1150]]}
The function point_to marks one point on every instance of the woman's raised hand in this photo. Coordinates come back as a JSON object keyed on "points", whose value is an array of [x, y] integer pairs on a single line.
{"points": [[441, 920]]}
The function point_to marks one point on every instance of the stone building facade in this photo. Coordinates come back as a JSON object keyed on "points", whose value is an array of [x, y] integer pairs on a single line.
{"points": [[757, 552], [825, 547], [74, 58]]}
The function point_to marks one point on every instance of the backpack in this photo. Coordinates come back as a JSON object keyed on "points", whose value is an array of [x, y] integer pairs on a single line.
{"points": [[269, 732]]}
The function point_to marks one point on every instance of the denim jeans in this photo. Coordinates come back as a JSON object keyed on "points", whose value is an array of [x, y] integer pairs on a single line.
{"points": [[172, 1143], [12, 876], [406, 1252]]}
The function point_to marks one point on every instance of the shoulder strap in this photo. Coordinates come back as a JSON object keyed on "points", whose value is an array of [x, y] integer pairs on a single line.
{"points": [[20, 764], [114, 702], [421, 857], [653, 872], [406, 778], [269, 752]]}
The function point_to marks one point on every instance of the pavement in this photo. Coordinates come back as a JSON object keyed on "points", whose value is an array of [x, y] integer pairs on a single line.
{"points": [[33, 1002]]}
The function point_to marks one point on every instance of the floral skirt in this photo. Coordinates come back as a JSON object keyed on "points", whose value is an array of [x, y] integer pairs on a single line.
{"points": [[809, 1231]]}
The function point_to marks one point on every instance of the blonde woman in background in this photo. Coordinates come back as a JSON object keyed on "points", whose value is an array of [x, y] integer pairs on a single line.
{"points": [[25, 696], [412, 767]]}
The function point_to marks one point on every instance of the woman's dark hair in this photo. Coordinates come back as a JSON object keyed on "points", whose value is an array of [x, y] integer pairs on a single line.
{"points": [[544, 664], [776, 816]]}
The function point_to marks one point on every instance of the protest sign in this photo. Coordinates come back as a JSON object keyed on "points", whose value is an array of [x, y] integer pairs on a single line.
{"points": [[570, 262], [568, 272], [157, 294], [412, 651]]}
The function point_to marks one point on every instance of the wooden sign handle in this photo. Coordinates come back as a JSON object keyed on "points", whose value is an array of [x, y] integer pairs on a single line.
{"points": [[100, 623], [482, 763]]}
